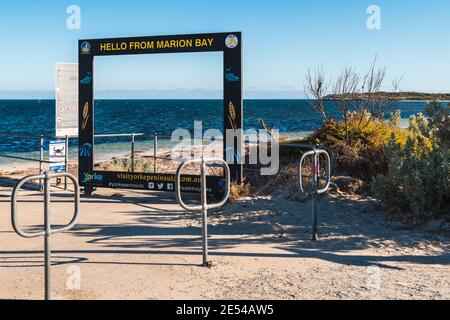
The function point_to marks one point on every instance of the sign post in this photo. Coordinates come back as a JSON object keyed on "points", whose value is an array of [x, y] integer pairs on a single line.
{"points": [[66, 99]]}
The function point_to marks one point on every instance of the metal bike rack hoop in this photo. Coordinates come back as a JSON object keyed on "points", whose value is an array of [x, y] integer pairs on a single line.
{"points": [[204, 201], [48, 231], [315, 178], [315, 168], [45, 176], [204, 162]]}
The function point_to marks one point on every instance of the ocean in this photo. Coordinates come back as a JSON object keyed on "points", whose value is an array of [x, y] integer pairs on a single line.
{"points": [[293, 118]]}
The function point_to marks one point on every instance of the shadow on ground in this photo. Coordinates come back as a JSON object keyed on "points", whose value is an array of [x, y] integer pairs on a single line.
{"points": [[346, 227]]}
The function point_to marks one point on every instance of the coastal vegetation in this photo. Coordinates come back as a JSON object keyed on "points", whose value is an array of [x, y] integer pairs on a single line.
{"points": [[407, 169], [418, 177]]}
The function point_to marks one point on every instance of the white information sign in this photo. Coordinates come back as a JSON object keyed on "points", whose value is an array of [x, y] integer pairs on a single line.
{"points": [[57, 154], [66, 99]]}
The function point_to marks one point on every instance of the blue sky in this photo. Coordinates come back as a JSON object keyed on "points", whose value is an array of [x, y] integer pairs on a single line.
{"points": [[282, 39]]}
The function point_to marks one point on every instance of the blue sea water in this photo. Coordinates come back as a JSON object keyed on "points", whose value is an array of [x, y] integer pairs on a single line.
{"points": [[36, 117]]}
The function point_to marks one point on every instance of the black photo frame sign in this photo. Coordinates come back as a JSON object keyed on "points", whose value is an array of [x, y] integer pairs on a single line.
{"points": [[229, 43]]}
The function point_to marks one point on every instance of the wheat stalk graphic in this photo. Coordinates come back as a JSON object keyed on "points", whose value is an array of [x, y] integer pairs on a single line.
{"points": [[232, 114], [85, 115]]}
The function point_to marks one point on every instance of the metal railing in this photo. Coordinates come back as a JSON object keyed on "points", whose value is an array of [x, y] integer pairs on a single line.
{"points": [[132, 137], [48, 230], [204, 206], [315, 189], [41, 160], [67, 139]]}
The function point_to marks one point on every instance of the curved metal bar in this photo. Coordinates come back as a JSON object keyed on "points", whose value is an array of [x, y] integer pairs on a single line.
{"points": [[14, 219], [328, 171], [204, 201], [48, 231], [227, 183], [74, 219], [315, 191], [178, 185], [208, 206], [300, 171]]}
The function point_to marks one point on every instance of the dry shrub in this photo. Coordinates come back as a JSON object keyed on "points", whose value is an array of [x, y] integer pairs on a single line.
{"points": [[359, 148], [239, 191], [266, 185]]}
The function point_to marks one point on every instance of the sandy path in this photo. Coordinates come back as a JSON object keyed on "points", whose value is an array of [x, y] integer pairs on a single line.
{"points": [[140, 245]]}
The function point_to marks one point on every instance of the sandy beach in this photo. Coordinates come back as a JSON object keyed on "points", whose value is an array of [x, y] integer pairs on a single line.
{"points": [[142, 245]]}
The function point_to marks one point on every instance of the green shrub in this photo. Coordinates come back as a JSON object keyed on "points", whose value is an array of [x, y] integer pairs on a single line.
{"points": [[417, 183]]}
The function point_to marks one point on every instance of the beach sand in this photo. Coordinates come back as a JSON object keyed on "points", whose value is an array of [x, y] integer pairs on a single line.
{"points": [[142, 245], [164, 164]]}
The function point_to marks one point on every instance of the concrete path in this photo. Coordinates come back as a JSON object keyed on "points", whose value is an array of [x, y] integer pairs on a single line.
{"points": [[141, 245]]}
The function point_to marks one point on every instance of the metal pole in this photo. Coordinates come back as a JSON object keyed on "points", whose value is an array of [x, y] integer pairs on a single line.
{"points": [[47, 224], [315, 168], [204, 212], [314, 222], [155, 147], [132, 152], [41, 158], [66, 161]]}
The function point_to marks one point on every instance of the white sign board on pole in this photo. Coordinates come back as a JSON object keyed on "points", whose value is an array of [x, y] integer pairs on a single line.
{"points": [[57, 155], [66, 99]]}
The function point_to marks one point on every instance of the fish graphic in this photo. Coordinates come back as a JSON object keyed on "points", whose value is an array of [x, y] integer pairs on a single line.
{"points": [[230, 76], [86, 80]]}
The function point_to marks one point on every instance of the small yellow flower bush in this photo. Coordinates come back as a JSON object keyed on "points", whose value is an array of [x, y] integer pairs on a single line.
{"points": [[358, 146]]}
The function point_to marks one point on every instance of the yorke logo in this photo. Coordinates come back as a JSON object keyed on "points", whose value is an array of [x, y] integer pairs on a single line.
{"points": [[91, 177]]}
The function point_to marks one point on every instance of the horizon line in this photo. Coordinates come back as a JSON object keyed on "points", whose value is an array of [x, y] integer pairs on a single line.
{"points": [[42, 99]]}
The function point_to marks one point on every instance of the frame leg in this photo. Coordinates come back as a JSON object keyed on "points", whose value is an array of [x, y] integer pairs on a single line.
{"points": [[87, 191]]}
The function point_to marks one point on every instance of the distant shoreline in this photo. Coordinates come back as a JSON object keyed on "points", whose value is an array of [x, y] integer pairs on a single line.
{"points": [[331, 97], [393, 96]]}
